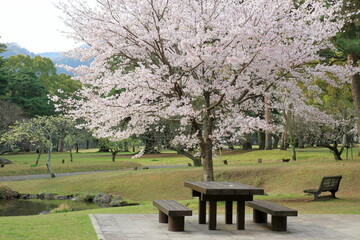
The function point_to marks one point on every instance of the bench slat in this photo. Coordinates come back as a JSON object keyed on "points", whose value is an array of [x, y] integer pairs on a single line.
{"points": [[172, 208], [272, 208]]}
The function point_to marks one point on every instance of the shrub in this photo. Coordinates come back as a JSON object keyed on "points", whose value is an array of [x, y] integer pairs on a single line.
{"points": [[7, 193], [62, 209]]}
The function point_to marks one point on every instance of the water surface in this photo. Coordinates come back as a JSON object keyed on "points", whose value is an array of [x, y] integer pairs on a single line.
{"points": [[19, 207]]}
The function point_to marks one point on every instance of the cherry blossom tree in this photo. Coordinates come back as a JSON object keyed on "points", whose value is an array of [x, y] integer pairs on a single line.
{"points": [[201, 63]]}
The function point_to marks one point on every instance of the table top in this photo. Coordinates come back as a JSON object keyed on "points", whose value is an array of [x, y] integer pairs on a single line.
{"points": [[223, 188]]}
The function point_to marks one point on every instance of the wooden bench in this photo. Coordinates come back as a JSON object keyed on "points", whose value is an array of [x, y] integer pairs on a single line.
{"points": [[328, 184], [278, 213], [173, 213]]}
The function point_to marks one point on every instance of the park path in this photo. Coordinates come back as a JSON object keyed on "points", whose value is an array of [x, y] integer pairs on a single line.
{"points": [[45, 176]]}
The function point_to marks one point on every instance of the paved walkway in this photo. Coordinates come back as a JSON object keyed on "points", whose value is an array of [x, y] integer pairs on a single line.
{"points": [[146, 226]]}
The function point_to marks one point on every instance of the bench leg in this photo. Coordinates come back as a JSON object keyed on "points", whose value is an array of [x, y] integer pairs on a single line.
{"points": [[316, 196], [333, 194], [176, 224], [163, 218], [202, 212], [259, 216], [240, 215], [228, 212], [212, 215], [278, 223]]}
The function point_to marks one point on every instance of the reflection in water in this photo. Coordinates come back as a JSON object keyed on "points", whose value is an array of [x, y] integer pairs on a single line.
{"points": [[36, 206]]}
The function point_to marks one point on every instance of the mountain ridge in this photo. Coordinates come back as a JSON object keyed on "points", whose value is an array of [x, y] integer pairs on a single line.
{"points": [[58, 58]]}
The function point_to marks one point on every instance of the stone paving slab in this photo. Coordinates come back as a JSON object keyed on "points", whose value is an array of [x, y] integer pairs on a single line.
{"points": [[146, 226]]}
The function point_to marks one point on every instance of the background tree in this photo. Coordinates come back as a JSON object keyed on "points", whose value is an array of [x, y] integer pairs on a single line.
{"points": [[9, 114], [41, 132], [3, 72], [26, 91], [114, 146], [30, 82], [347, 42]]}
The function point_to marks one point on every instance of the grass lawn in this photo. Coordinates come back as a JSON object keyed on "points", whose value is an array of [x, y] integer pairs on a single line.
{"points": [[283, 183]]}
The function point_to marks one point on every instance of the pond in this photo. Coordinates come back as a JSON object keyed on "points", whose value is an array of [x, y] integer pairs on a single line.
{"points": [[20, 207]]}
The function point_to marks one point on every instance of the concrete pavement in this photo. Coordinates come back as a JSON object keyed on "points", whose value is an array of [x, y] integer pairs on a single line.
{"points": [[146, 226]]}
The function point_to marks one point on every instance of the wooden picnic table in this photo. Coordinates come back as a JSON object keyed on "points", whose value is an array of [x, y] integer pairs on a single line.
{"points": [[229, 192]]}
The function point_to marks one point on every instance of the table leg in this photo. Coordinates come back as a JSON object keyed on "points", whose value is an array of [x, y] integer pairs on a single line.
{"points": [[212, 215], [202, 211], [240, 215], [228, 212]]}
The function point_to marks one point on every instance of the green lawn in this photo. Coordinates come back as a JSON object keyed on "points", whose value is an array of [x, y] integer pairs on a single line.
{"points": [[283, 183]]}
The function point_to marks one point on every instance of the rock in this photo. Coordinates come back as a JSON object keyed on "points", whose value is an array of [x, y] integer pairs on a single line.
{"points": [[116, 203], [74, 199], [49, 196], [61, 197], [7, 193], [86, 198], [102, 198], [41, 195], [24, 196], [4, 161], [44, 213], [33, 196]]}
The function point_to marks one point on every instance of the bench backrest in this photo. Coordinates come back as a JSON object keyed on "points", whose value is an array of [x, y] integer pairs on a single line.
{"points": [[330, 183]]}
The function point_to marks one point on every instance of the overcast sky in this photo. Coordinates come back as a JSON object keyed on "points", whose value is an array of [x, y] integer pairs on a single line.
{"points": [[33, 24]]}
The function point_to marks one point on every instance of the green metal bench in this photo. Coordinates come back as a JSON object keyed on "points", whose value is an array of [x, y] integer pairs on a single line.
{"points": [[328, 184]]}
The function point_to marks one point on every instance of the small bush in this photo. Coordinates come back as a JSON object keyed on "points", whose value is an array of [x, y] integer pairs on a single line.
{"points": [[7, 193], [62, 209], [86, 198]]}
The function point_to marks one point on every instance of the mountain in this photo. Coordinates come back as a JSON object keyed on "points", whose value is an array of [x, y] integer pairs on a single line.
{"points": [[16, 49], [58, 58]]}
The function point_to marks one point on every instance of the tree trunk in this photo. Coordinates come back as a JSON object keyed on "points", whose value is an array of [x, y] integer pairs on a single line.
{"points": [[196, 160], [268, 134], [276, 141], [246, 145], [71, 155], [77, 147], [126, 147], [261, 140], [150, 143], [293, 147], [113, 155], [334, 150], [230, 145], [355, 91], [48, 163], [61, 145], [206, 144], [38, 158], [283, 145]]}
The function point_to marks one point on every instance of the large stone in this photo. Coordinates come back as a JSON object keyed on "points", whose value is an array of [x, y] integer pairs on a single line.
{"points": [[4, 161], [61, 197], [44, 213], [102, 198], [7, 193], [49, 196], [41, 195]]}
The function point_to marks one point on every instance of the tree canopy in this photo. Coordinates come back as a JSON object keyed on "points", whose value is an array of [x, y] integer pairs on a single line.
{"points": [[202, 64]]}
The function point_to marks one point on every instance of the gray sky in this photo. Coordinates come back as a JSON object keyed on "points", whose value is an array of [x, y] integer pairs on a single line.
{"points": [[33, 24]]}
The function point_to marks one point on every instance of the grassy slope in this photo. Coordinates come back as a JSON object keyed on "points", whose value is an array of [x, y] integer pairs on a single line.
{"points": [[283, 182]]}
